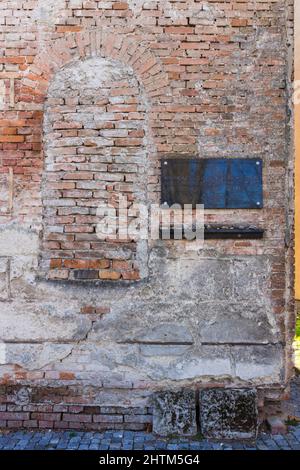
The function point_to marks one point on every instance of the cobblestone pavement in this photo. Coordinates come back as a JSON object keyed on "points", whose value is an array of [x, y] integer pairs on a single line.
{"points": [[129, 440]]}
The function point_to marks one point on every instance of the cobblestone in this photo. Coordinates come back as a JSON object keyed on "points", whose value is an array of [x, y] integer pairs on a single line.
{"points": [[53, 440]]}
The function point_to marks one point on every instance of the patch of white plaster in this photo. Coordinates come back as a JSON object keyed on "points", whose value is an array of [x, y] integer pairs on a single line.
{"points": [[48, 11]]}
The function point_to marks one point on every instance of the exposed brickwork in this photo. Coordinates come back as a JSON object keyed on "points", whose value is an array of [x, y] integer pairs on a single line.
{"points": [[75, 417]]}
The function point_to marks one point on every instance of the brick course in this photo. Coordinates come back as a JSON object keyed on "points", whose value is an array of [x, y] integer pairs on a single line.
{"points": [[76, 417]]}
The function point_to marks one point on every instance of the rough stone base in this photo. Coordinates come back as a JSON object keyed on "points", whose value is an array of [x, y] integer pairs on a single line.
{"points": [[174, 412], [229, 414], [224, 413]]}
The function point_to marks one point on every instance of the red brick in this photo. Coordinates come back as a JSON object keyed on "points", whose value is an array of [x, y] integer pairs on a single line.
{"points": [[86, 264], [15, 416], [238, 22], [8, 131], [121, 265], [120, 6], [179, 30], [31, 423], [66, 376], [88, 309], [131, 275], [12, 60], [77, 418], [109, 275], [78, 175], [12, 122], [130, 142], [68, 29], [13, 424], [61, 425], [12, 138], [46, 416], [46, 424], [55, 263], [108, 419]]}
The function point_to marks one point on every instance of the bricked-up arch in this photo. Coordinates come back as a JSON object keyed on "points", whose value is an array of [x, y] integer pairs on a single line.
{"points": [[152, 84], [68, 47], [95, 145]]}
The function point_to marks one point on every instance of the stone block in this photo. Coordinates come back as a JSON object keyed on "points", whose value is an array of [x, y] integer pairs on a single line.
{"points": [[250, 277], [40, 324], [252, 362], [228, 414], [35, 356], [164, 333], [174, 412], [229, 323], [276, 425], [163, 350], [206, 361]]}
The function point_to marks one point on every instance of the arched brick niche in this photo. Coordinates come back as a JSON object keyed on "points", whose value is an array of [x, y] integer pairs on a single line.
{"points": [[95, 146]]}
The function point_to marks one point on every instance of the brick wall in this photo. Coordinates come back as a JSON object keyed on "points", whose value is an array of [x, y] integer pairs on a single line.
{"points": [[190, 78], [75, 417]]}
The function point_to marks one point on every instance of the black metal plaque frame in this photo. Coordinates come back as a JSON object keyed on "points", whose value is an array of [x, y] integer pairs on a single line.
{"points": [[218, 183], [221, 232]]}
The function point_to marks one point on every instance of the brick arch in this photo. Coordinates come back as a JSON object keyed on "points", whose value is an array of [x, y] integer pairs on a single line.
{"points": [[96, 148], [130, 262], [63, 50]]}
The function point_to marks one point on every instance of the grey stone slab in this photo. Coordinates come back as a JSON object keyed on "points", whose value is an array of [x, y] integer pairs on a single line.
{"points": [[163, 350], [164, 333], [33, 356], [228, 413], [258, 361], [229, 323], [250, 277]]}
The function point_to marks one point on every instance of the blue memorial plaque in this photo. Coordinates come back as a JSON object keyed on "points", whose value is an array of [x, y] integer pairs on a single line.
{"points": [[218, 183]]}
